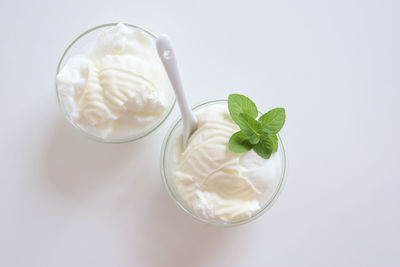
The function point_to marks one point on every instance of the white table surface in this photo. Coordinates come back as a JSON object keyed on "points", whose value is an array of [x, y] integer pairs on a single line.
{"points": [[334, 65]]}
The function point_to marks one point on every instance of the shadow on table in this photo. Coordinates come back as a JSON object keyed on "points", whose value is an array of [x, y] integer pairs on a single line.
{"points": [[75, 165], [174, 239]]}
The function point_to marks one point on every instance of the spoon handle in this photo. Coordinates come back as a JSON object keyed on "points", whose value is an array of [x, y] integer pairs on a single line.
{"points": [[167, 56]]}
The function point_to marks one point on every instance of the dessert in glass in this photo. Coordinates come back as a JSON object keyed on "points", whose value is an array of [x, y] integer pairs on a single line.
{"points": [[111, 85], [213, 184]]}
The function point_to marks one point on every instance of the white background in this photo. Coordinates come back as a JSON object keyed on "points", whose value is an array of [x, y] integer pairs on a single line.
{"points": [[334, 65]]}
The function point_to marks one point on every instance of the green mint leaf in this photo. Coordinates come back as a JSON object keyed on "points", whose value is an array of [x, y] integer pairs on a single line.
{"points": [[238, 104], [249, 127], [274, 143], [265, 147], [239, 143], [272, 121]]}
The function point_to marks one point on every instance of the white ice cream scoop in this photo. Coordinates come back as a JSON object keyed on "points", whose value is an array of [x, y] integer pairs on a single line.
{"points": [[167, 56]]}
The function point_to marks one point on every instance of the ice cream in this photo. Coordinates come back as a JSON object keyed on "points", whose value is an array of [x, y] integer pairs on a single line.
{"points": [[117, 87], [216, 183]]}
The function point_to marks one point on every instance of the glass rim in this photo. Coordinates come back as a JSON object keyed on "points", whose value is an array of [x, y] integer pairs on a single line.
{"points": [[194, 216], [61, 105]]}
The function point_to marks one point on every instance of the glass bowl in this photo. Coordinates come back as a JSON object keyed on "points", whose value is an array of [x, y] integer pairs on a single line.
{"points": [[81, 45], [167, 167]]}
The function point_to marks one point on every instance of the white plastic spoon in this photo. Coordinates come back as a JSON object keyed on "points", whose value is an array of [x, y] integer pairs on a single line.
{"points": [[167, 56]]}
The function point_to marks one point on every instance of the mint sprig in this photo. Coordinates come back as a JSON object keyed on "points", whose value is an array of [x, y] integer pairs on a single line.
{"points": [[259, 135]]}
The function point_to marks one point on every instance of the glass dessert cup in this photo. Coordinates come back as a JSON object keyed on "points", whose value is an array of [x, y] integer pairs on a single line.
{"points": [[167, 168], [82, 43]]}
